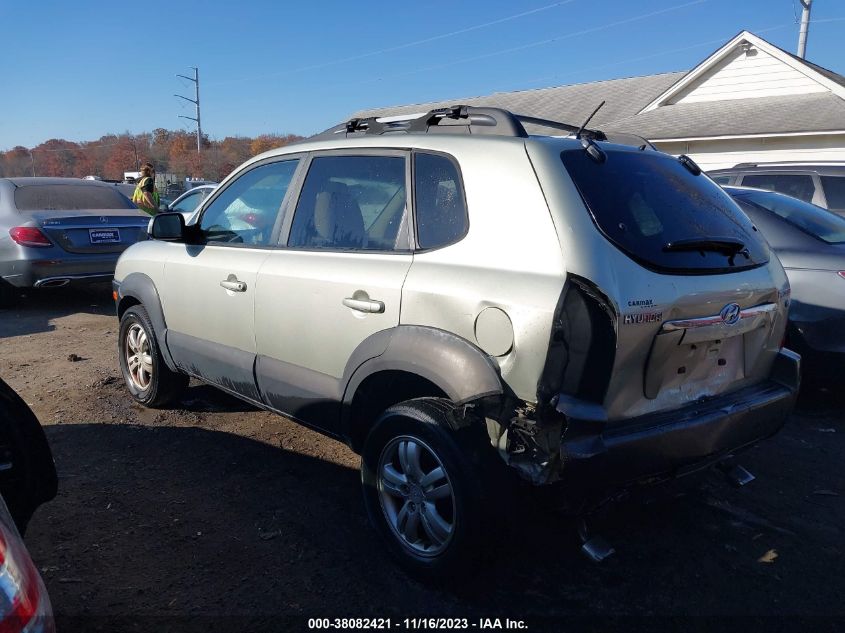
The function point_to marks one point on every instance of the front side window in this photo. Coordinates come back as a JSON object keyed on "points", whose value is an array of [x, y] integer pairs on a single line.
{"points": [[246, 211], [352, 202], [439, 201], [834, 191], [795, 185]]}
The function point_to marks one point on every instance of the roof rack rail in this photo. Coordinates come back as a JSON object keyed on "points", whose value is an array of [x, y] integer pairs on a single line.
{"points": [[463, 119], [468, 119]]}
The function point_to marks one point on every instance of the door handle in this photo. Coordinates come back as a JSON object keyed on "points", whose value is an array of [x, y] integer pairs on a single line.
{"points": [[364, 305], [233, 284]]}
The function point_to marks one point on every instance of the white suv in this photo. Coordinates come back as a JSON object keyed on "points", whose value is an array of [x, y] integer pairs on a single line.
{"points": [[449, 294]]}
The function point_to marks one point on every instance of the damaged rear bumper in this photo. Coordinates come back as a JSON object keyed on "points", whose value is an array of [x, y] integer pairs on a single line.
{"points": [[577, 444], [674, 443]]}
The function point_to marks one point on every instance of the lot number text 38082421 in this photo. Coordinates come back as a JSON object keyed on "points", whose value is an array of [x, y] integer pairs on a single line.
{"points": [[417, 624]]}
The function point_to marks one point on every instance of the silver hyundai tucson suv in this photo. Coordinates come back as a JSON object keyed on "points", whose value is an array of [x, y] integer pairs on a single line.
{"points": [[463, 302]]}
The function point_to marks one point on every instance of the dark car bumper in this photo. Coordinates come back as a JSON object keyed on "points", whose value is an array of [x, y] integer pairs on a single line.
{"points": [[821, 344], [670, 444], [57, 271]]}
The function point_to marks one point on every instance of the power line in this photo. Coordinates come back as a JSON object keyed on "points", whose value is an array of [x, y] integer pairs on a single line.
{"points": [[81, 147], [628, 60], [399, 47], [534, 44]]}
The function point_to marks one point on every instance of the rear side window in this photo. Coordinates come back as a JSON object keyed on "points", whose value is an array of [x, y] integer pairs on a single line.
{"points": [[439, 201], [834, 191], [246, 211], [721, 180], [69, 198], [352, 203], [795, 185], [655, 210]]}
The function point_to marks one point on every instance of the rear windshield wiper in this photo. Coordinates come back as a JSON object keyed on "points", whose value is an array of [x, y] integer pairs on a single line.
{"points": [[725, 245]]}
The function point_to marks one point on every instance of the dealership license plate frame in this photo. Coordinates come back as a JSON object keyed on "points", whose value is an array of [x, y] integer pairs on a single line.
{"points": [[114, 236]]}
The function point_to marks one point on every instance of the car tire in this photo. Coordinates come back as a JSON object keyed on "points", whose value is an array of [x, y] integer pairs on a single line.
{"points": [[432, 531], [29, 475], [8, 294], [150, 381]]}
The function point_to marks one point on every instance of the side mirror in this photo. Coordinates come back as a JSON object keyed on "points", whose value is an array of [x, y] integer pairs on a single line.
{"points": [[168, 227]]}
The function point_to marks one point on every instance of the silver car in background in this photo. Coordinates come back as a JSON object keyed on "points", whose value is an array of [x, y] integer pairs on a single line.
{"points": [[54, 231], [187, 203], [822, 183], [810, 243]]}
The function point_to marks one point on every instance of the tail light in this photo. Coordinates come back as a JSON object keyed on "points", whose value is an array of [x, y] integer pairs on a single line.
{"points": [[842, 274], [29, 236], [24, 605]]}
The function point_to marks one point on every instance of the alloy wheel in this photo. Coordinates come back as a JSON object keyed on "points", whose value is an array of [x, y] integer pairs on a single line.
{"points": [[416, 496], [139, 361]]}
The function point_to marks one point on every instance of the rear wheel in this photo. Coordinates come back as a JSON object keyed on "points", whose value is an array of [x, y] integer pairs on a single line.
{"points": [[150, 381], [8, 294], [420, 490]]}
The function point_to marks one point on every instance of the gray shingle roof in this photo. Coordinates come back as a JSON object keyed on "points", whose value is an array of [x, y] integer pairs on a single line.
{"points": [[569, 104], [816, 112]]}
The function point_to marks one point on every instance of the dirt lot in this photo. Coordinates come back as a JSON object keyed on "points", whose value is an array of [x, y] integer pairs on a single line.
{"points": [[218, 509]]}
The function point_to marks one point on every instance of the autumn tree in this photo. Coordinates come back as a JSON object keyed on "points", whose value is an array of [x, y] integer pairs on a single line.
{"points": [[16, 162], [55, 157], [173, 152], [266, 142]]}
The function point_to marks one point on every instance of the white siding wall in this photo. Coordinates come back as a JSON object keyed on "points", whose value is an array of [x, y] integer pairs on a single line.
{"points": [[742, 76], [718, 154]]}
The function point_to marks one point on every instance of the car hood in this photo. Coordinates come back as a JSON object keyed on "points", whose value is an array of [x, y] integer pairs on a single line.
{"points": [[826, 257]]}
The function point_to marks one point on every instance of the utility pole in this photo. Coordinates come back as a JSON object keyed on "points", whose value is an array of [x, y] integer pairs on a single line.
{"points": [[196, 102], [805, 27]]}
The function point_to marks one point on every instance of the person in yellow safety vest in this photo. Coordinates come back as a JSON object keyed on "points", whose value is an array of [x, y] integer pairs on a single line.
{"points": [[146, 197]]}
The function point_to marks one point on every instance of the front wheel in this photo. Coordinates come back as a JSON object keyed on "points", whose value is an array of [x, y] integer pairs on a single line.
{"points": [[150, 381], [419, 489]]}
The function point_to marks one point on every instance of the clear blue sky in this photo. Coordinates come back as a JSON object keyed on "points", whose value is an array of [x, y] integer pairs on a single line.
{"points": [[78, 70]]}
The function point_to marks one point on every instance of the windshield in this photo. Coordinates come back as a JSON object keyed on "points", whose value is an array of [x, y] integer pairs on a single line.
{"points": [[820, 223], [661, 214], [69, 198]]}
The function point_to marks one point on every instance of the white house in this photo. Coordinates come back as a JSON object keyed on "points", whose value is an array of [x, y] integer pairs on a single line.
{"points": [[750, 101]]}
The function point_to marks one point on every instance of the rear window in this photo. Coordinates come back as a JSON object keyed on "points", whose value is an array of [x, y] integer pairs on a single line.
{"points": [[795, 185], [656, 211], [834, 191], [69, 198], [818, 222]]}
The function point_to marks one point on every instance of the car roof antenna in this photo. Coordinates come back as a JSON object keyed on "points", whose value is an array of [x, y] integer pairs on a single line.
{"points": [[593, 150], [589, 118]]}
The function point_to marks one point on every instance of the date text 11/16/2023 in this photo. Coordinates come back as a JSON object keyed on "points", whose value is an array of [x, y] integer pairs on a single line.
{"points": [[416, 624]]}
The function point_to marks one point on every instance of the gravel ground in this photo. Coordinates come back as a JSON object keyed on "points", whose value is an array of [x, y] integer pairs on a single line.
{"points": [[216, 510]]}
